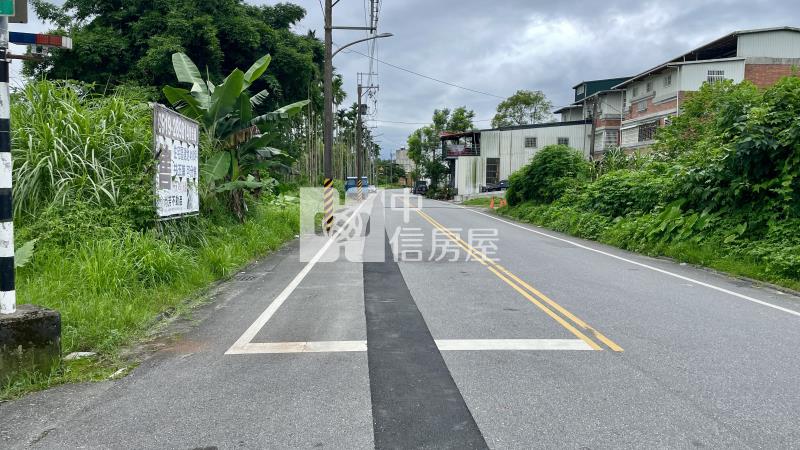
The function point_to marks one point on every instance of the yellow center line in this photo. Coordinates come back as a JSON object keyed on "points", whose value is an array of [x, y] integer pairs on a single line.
{"points": [[493, 266], [479, 258]]}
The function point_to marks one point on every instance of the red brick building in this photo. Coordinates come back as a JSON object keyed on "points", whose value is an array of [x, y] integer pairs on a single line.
{"points": [[762, 56]]}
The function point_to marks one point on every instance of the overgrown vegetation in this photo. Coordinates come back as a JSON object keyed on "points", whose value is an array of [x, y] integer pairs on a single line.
{"points": [[83, 169], [238, 143], [721, 187]]}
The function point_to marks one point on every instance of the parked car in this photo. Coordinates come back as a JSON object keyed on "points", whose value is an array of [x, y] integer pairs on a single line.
{"points": [[420, 187], [492, 187]]}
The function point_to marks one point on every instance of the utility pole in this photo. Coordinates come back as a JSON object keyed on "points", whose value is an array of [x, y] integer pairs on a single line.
{"points": [[361, 109], [327, 135], [594, 128], [359, 195]]}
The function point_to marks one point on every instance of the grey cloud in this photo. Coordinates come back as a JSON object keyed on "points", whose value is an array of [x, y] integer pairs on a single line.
{"points": [[503, 45]]}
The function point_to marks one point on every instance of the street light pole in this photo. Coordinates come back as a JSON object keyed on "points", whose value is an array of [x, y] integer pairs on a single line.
{"points": [[359, 195], [327, 136]]}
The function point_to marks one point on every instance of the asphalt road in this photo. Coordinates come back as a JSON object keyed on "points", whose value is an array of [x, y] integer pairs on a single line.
{"points": [[473, 332]]}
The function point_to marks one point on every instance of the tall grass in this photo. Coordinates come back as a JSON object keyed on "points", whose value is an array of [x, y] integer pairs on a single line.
{"points": [[83, 190], [71, 144], [109, 289]]}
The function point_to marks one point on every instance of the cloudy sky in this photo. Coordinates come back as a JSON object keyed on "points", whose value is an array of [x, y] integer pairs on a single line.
{"points": [[499, 46]]}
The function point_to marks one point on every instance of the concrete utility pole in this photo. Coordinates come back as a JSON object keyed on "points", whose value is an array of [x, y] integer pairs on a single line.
{"points": [[594, 127], [359, 195], [359, 144], [327, 135]]}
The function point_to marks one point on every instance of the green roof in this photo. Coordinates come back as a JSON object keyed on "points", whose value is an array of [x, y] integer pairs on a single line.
{"points": [[595, 86]]}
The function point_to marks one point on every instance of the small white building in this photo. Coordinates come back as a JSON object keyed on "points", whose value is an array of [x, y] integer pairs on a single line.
{"points": [[477, 158]]}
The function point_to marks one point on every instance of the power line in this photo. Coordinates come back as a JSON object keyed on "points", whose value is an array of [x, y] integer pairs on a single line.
{"points": [[425, 76], [418, 123]]}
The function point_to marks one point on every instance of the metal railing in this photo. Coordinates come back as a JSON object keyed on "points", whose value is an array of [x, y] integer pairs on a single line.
{"points": [[456, 150]]}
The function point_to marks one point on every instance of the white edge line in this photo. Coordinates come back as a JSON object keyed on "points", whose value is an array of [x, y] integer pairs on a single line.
{"points": [[300, 347], [253, 348], [656, 269], [259, 323]]}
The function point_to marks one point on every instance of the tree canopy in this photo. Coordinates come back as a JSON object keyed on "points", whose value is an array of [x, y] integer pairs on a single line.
{"points": [[523, 108], [132, 41], [424, 142]]}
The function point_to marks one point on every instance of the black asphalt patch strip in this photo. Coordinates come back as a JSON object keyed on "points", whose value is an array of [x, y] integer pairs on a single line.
{"points": [[415, 402]]}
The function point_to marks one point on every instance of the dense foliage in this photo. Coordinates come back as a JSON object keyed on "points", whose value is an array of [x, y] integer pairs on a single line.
{"points": [[424, 145], [550, 173], [523, 108], [133, 42], [721, 186], [238, 154], [84, 169], [72, 146]]}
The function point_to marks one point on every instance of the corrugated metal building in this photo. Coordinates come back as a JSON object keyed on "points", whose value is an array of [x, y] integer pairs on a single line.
{"points": [[495, 154]]}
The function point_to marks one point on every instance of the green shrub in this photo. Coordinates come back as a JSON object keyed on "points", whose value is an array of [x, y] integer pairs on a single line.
{"points": [[623, 192], [551, 172]]}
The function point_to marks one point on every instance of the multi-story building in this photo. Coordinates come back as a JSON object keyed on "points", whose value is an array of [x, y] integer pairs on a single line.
{"points": [[597, 101], [761, 56], [401, 158]]}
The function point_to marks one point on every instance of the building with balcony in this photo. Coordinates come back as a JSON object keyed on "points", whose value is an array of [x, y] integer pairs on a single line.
{"points": [[762, 56], [480, 157]]}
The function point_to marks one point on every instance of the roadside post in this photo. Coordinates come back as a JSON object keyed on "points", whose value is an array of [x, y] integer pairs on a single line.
{"points": [[30, 336]]}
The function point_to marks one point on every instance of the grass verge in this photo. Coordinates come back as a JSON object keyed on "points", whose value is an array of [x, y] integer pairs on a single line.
{"points": [[623, 233], [480, 201], [111, 289]]}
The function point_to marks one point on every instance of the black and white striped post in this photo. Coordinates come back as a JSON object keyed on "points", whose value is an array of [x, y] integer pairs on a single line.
{"points": [[8, 297]]}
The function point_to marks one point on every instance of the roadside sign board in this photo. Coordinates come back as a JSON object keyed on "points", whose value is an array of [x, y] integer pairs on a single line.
{"points": [[16, 10], [7, 7], [176, 143]]}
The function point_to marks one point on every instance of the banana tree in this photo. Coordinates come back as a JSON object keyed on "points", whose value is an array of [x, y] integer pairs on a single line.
{"points": [[239, 138]]}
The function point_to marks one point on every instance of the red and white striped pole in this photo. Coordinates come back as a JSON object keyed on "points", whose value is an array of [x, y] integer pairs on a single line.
{"points": [[8, 297]]}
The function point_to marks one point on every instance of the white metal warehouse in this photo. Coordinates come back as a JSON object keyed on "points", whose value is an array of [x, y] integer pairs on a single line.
{"points": [[478, 158]]}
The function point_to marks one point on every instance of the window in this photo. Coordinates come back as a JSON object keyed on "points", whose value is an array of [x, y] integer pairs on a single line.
{"points": [[635, 92], [563, 141], [668, 81], [530, 142], [647, 131], [641, 106], [492, 165], [580, 90], [715, 75], [649, 86]]}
